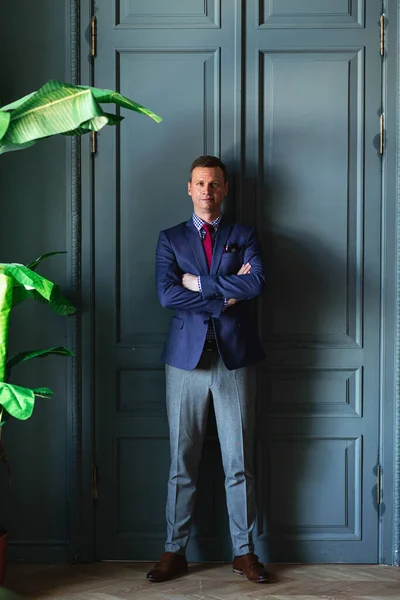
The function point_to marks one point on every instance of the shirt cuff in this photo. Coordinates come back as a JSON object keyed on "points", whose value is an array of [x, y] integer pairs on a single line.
{"points": [[225, 304], [199, 283]]}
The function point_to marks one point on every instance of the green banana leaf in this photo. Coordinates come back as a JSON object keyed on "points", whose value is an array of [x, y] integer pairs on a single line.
{"points": [[28, 284], [4, 122], [36, 262], [21, 275], [110, 97], [43, 392], [6, 289], [17, 103], [29, 354], [59, 304], [19, 401], [14, 147], [17, 283], [96, 124], [61, 108]]}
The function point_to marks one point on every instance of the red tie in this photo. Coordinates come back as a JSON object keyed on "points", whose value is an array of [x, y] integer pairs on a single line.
{"points": [[207, 242]]}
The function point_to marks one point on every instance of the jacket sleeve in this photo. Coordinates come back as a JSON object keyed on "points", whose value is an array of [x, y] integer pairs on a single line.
{"points": [[171, 292], [239, 287]]}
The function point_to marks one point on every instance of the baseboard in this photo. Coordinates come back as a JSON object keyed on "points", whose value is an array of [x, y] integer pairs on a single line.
{"points": [[37, 553]]}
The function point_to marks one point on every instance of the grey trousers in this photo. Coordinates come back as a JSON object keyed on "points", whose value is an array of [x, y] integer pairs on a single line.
{"points": [[188, 396]]}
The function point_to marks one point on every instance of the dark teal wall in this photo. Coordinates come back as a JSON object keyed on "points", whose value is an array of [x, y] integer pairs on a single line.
{"points": [[33, 218]]}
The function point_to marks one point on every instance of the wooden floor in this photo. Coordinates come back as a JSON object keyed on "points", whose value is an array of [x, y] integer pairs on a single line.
{"points": [[127, 581]]}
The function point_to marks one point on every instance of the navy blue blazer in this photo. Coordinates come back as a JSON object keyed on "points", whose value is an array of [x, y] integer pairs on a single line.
{"points": [[180, 250]]}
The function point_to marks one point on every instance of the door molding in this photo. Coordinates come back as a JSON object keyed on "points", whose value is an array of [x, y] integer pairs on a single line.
{"points": [[81, 392], [74, 208], [80, 397], [394, 92]]}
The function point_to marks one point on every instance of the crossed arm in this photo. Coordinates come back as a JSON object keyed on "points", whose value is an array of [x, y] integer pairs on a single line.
{"points": [[190, 282], [181, 292]]}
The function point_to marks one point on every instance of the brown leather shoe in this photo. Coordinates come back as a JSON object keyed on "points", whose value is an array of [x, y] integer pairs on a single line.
{"points": [[248, 565], [171, 565]]}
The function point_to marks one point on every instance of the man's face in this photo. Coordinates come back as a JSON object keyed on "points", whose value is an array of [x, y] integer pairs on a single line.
{"points": [[207, 189]]}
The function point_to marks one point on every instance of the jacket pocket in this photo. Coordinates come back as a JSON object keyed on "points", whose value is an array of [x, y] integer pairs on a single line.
{"points": [[227, 255], [232, 260]]}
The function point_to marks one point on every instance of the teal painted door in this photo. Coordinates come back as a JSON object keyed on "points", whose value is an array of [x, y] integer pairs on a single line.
{"points": [[288, 93]]}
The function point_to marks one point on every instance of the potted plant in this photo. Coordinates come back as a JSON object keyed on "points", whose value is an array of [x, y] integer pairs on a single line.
{"points": [[56, 108], [17, 283]]}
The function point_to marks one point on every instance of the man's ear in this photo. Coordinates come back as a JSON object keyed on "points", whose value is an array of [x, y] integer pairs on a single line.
{"points": [[189, 188], [226, 188]]}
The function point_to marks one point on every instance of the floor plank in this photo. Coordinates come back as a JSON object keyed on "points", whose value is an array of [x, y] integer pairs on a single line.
{"points": [[127, 581]]}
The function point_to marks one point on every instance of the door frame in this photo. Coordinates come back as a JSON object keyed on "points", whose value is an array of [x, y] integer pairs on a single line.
{"points": [[80, 199]]}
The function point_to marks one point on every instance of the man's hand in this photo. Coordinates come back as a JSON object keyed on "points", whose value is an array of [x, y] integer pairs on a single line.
{"points": [[244, 270], [189, 281]]}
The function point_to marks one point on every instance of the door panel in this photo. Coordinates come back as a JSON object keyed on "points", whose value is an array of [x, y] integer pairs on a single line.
{"points": [[311, 13], [150, 193], [319, 517], [311, 151], [180, 13], [292, 107], [179, 62], [311, 142]]}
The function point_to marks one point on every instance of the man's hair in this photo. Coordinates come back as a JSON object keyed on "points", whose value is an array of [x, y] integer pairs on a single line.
{"points": [[207, 162]]}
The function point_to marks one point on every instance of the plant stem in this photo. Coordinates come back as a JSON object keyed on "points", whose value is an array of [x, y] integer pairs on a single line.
{"points": [[6, 288]]}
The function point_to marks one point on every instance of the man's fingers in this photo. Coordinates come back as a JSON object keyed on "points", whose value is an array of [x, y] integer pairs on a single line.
{"points": [[189, 281], [244, 269]]}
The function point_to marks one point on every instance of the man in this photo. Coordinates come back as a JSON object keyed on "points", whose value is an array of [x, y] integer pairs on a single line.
{"points": [[208, 270]]}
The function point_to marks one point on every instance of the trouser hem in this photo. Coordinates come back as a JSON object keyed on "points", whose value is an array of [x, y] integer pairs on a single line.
{"points": [[242, 551], [175, 549]]}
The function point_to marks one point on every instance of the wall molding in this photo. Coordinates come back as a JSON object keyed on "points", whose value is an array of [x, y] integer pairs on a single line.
{"points": [[396, 433], [37, 552], [75, 210]]}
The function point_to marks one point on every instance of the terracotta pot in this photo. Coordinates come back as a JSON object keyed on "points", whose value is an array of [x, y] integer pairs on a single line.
{"points": [[3, 551]]}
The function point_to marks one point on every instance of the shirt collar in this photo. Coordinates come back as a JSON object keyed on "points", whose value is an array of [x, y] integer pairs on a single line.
{"points": [[198, 223]]}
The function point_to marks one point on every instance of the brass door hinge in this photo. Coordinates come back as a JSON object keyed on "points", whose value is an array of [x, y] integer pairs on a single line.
{"points": [[382, 44], [381, 133], [93, 142], [378, 485], [95, 492], [93, 37]]}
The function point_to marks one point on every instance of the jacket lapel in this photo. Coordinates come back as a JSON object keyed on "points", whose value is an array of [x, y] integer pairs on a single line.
{"points": [[219, 244], [197, 247]]}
